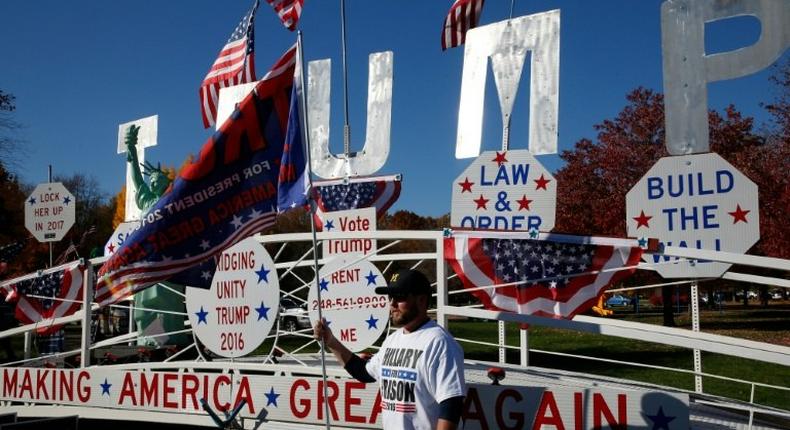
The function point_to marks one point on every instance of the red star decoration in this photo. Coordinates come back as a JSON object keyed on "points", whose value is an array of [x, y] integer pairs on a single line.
{"points": [[481, 202], [541, 182], [111, 248], [642, 220], [523, 203], [500, 158], [466, 185], [739, 215]]}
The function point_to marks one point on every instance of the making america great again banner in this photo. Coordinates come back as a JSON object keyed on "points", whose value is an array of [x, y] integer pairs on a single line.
{"points": [[229, 193]]}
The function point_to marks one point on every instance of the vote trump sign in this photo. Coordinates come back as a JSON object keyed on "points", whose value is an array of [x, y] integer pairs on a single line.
{"points": [[694, 201]]}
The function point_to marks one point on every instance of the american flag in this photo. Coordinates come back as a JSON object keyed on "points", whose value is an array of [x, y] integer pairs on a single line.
{"points": [[542, 277], [52, 295], [463, 16], [379, 193], [235, 65], [289, 11]]}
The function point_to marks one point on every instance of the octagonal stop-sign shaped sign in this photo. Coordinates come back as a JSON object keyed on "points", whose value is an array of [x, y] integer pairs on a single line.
{"points": [[694, 201], [49, 212], [508, 190]]}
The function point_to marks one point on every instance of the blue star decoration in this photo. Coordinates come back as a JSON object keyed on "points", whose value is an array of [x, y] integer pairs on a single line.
{"points": [[263, 274], [105, 387], [642, 242], [202, 316], [32, 200], [263, 312], [324, 284], [533, 234], [372, 322], [271, 397], [329, 225], [371, 278], [660, 421], [66, 200]]}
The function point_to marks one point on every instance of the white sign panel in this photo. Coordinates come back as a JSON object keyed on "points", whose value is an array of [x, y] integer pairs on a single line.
{"points": [[352, 221], [507, 190], [352, 404], [234, 316], [49, 212], [355, 313], [228, 99], [694, 201], [120, 234], [146, 137], [507, 44]]}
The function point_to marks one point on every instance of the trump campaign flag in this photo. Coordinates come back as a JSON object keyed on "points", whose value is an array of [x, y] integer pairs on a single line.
{"points": [[294, 177], [51, 295], [356, 193], [230, 192], [538, 277]]}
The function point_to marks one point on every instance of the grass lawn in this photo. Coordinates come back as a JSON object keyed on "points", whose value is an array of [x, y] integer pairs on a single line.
{"points": [[762, 325]]}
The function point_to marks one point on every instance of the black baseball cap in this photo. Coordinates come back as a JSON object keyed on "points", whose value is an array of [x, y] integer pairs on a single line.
{"points": [[406, 281]]}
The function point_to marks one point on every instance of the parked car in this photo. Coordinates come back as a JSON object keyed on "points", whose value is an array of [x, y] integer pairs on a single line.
{"points": [[618, 300], [293, 316]]}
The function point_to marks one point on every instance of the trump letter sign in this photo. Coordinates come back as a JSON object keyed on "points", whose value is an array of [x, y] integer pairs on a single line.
{"points": [[694, 201]]}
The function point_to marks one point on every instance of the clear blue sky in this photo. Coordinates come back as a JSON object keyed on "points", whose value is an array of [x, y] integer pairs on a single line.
{"points": [[80, 68]]}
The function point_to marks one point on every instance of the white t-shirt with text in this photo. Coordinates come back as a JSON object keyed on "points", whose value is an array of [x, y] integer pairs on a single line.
{"points": [[416, 371]]}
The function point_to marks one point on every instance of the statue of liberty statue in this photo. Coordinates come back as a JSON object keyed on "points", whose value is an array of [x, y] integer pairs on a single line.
{"points": [[157, 297]]}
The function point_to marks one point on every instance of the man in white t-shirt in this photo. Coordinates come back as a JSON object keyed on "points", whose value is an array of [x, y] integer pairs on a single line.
{"points": [[419, 368]]}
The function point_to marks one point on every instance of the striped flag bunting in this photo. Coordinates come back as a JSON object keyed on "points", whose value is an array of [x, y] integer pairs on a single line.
{"points": [[53, 295], [539, 277], [357, 193]]}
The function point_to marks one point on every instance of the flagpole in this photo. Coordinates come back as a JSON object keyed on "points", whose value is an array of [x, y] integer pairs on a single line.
{"points": [[346, 125], [512, 2], [306, 136]]}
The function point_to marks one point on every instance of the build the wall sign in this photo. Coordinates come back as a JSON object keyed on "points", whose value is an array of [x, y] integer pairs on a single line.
{"points": [[694, 201]]}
